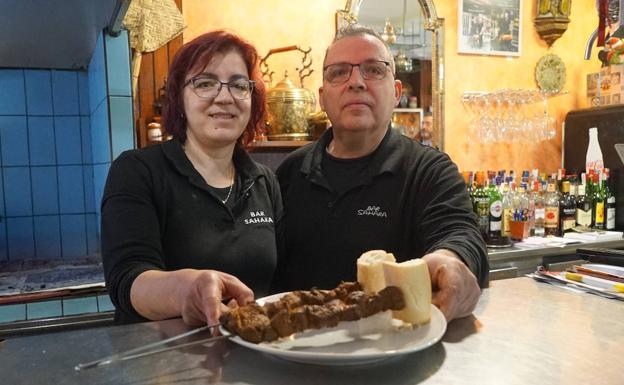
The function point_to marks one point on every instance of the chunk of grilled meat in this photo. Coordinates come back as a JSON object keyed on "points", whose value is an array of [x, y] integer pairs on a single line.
{"points": [[314, 309]]}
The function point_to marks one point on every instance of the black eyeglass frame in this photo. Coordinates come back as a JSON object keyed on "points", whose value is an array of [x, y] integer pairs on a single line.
{"points": [[351, 65], [192, 80]]}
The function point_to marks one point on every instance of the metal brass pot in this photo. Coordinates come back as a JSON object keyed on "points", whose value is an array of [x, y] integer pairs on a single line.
{"points": [[288, 109]]}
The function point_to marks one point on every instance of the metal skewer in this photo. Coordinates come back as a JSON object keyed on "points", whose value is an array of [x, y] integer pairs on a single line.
{"points": [[143, 351]]}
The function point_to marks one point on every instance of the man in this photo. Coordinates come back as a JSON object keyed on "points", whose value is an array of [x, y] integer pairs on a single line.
{"points": [[363, 186], [426, 132]]}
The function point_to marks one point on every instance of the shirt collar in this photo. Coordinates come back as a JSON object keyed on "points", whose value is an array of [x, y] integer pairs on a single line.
{"points": [[245, 166], [386, 157]]}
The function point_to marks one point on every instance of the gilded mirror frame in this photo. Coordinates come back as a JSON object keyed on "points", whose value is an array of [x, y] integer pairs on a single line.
{"points": [[349, 15]]}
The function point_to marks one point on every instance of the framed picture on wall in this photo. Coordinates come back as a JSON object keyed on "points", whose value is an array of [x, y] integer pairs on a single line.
{"points": [[489, 27]]}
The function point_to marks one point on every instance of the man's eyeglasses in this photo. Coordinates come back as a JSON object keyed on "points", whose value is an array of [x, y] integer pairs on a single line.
{"points": [[370, 70], [208, 87]]}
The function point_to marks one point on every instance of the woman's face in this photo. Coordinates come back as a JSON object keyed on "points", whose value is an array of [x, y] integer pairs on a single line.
{"points": [[220, 120]]}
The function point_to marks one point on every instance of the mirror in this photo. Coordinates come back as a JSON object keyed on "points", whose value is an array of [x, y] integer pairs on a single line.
{"points": [[415, 35]]}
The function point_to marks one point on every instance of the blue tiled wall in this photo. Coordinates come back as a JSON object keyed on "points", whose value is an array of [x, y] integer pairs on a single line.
{"points": [[55, 308], [59, 131]]}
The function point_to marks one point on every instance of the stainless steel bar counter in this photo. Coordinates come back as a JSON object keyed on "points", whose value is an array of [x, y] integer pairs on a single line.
{"points": [[522, 332], [516, 261]]}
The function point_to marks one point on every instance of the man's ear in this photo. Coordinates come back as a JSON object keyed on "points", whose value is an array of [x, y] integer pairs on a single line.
{"points": [[398, 89], [321, 98]]}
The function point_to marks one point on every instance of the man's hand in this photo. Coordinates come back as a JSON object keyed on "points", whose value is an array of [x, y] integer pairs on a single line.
{"points": [[202, 302], [455, 289]]}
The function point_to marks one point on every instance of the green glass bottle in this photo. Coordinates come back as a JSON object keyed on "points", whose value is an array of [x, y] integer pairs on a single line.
{"points": [[598, 204], [495, 210], [481, 204], [609, 203]]}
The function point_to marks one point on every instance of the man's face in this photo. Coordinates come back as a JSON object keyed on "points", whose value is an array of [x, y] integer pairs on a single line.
{"points": [[428, 123], [359, 104]]}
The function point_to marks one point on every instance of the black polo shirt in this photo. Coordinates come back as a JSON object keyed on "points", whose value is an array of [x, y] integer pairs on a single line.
{"points": [[158, 213], [409, 200]]}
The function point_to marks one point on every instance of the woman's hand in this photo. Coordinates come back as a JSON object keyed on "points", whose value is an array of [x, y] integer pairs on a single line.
{"points": [[202, 303], [455, 289], [195, 295]]}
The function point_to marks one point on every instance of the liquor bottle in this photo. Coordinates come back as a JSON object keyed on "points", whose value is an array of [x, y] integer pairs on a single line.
{"points": [[495, 210], [521, 202], [567, 209], [531, 207], [551, 222], [598, 206], [589, 191], [583, 207], [507, 208], [539, 212], [481, 204], [560, 177], [610, 203]]}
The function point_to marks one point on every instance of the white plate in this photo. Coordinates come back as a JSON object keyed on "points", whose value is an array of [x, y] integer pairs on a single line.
{"points": [[348, 343]]}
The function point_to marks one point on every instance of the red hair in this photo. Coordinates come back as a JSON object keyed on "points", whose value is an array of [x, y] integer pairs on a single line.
{"points": [[191, 59]]}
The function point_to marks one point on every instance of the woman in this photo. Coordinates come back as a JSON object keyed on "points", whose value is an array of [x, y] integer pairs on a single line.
{"points": [[191, 223]]}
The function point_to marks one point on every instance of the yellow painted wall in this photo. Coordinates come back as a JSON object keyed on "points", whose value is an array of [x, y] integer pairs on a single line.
{"points": [[488, 73], [276, 23], [271, 24]]}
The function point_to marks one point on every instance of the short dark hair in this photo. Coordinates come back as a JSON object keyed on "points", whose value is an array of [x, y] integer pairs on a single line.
{"points": [[192, 58], [359, 30]]}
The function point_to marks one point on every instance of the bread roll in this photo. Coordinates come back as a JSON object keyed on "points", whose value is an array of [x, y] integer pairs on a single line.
{"points": [[370, 272], [412, 277]]}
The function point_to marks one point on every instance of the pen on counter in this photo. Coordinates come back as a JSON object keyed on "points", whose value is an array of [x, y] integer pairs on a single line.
{"points": [[596, 282]]}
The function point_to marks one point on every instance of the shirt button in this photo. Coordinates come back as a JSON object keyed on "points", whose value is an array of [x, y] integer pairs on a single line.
{"points": [[330, 204]]}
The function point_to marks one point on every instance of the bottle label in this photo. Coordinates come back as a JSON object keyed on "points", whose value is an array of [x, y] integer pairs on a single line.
{"points": [[540, 213], [552, 217], [600, 213], [569, 211], [506, 231], [568, 224], [496, 209], [583, 217], [611, 218], [495, 225]]}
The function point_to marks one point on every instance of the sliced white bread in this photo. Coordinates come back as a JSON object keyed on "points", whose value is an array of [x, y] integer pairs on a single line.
{"points": [[412, 277], [370, 272]]}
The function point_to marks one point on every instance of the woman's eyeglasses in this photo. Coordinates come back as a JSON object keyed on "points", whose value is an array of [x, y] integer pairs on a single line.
{"points": [[208, 87], [370, 70]]}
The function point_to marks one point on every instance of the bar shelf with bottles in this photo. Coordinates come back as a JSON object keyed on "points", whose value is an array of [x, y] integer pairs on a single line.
{"points": [[510, 207]]}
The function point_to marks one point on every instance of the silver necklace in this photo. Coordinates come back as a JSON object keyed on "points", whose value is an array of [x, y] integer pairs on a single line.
{"points": [[231, 187]]}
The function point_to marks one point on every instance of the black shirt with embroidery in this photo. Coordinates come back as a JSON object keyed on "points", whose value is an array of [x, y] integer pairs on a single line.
{"points": [[158, 213], [409, 200]]}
